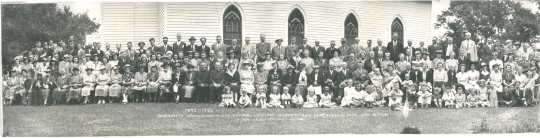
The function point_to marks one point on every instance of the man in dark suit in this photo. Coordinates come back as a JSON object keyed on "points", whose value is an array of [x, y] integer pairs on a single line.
{"points": [[427, 74], [316, 78], [488, 50], [97, 50], [278, 50], [217, 79], [202, 83], [315, 50], [372, 62], [395, 47], [152, 49], [422, 49], [521, 96], [189, 77], [305, 46], [330, 79], [433, 48], [378, 48], [166, 46], [179, 46], [345, 49], [507, 98], [416, 76], [450, 47], [203, 47], [330, 51], [262, 48], [406, 71], [346, 71], [296, 59], [191, 46], [410, 47], [219, 46], [236, 48]]}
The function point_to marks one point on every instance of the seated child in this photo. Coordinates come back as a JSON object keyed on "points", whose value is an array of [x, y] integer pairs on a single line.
{"points": [[379, 99], [326, 99], [437, 97], [348, 93], [297, 100], [261, 97], [286, 97], [275, 98], [311, 99], [424, 97], [396, 106], [448, 97], [460, 97], [227, 98], [472, 100], [396, 93], [370, 96], [358, 97], [244, 100], [482, 93]]}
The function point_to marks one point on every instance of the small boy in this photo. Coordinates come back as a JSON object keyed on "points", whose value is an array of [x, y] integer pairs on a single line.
{"points": [[472, 100], [286, 97], [244, 100], [297, 100]]}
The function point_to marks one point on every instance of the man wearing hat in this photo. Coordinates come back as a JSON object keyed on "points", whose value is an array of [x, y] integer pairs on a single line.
{"points": [[203, 47], [202, 83], [234, 47], [315, 50], [395, 47], [278, 50], [217, 83], [141, 49], [191, 46], [379, 49], [179, 45], [316, 78], [219, 46], [345, 49], [292, 47]]}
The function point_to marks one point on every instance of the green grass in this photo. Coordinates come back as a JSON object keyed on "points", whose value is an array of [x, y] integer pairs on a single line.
{"points": [[143, 120]]}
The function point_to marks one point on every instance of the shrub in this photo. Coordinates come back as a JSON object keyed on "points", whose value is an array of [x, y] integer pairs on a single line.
{"points": [[410, 130]]}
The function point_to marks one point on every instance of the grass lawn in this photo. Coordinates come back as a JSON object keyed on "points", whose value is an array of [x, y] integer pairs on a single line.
{"points": [[143, 119]]}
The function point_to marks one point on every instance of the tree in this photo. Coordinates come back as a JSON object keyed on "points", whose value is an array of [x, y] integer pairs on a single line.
{"points": [[485, 19], [25, 24]]}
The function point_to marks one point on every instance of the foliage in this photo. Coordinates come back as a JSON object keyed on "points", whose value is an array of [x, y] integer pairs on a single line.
{"points": [[502, 19], [410, 130], [523, 125], [24, 24]]}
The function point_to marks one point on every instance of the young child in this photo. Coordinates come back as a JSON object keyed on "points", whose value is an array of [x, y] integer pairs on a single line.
{"points": [[244, 100], [449, 97], [437, 97], [395, 106], [297, 100], [326, 99], [397, 94], [261, 97], [460, 97], [227, 98], [311, 99], [274, 98], [379, 99], [412, 95], [472, 100], [482, 93], [348, 93], [424, 97], [370, 97], [286, 97]]}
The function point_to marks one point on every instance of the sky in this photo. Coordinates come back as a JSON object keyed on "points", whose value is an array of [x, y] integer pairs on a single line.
{"points": [[94, 10]]}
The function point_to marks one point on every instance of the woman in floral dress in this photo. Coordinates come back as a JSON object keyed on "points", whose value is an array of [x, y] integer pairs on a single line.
{"points": [[282, 63], [115, 88], [247, 78], [153, 84], [128, 80]]}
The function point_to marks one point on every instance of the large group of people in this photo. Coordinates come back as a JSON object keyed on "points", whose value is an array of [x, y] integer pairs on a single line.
{"points": [[442, 75]]}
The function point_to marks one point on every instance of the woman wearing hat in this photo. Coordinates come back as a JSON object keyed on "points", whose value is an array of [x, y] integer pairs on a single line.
{"points": [[387, 61], [97, 64], [245, 58], [14, 85], [141, 81], [76, 82], [496, 79], [143, 61], [230, 59], [153, 61], [62, 86], [484, 72], [165, 78], [89, 80], [115, 81], [247, 78], [261, 77], [318, 61], [127, 84], [232, 79], [17, 66], [153, 83], [102, 87]]}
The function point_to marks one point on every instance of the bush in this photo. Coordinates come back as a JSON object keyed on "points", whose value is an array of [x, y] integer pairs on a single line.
{"points": [[410, 130]]}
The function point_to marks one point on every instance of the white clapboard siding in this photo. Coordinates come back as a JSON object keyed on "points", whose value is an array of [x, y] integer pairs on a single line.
{"points": [[323, 20], [129, 22]]}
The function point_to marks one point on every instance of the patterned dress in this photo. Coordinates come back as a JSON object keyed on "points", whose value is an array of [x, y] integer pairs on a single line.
{"points": [[153, 85], [102, 90], [115, 88], [311, 101], [140, 78], [127, 88], [246, 78], [260, 79], [75, 91]]}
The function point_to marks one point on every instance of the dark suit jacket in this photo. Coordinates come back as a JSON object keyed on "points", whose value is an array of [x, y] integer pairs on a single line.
{"points": [[99, 52], [455, 49], [217, 77], [421, 49], [276, 52], [177, 48], [329, 53], [187, 78], [320, 78], [202, 77], [433, 50], [488, 52], [235, 78], [402, 74], [189, 48], [340, 76], [178, 78], [416, 76], [294, 62], [465, 61], [206, 49], [518, 94], [395, 50], [274, 77], [452, 77], [132, 63], [291, 79], [316, 50], [307, 47], [262, 48], [168, 48], [237, 51], [368, 65]]}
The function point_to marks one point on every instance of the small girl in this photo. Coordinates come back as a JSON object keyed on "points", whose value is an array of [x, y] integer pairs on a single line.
{"points": [[348, 93], [397, 94], [472, 100], [370, 97], [275, 98], [448, 98], [460, 97], [297, 100], [227, 98], [286, 97], [483, 93], [379, 98], [437, 97], [261, 97], [311, 99], [326, 99], [244, 100], [424, 97], [358, 97]]}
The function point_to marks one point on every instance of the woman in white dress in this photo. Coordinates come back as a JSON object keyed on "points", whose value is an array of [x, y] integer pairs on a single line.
{"points": [[102, 88], [308, 61], [463, 77], [474, 76]]}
